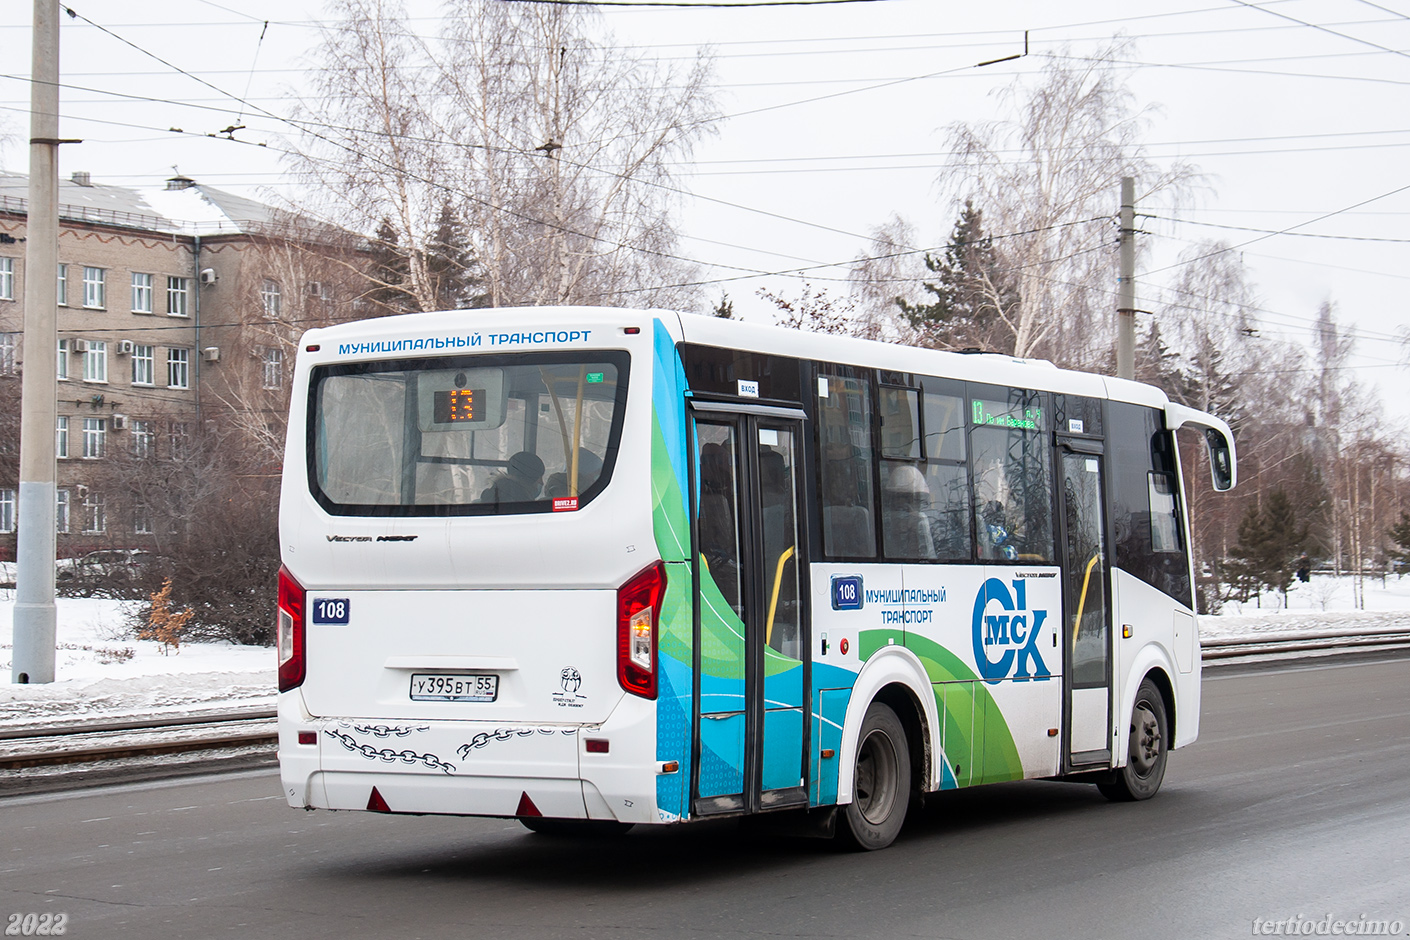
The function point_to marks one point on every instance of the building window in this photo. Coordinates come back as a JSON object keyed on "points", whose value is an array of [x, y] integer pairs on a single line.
{"points": [[61, 512], [270, 297], [95, 361], [178, 296], [95, 514], [8, 341], [7, 510], [178, 368], [7, 278], [273, 368], [141, 518], [61, 437], [63, 365], [94, 288], [143, 436], [63, 285], [179, 440], [95, 432], [143, 365], [141, 293]]}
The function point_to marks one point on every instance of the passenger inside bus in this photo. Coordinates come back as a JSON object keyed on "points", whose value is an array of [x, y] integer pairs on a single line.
{"points": [[589, 469], [518, 482], [905, 498]]}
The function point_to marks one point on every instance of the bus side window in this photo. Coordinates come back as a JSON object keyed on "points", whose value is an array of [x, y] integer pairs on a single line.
{"points": [[1145, 500], [947, 471], [1012, 478], [845, 455]]}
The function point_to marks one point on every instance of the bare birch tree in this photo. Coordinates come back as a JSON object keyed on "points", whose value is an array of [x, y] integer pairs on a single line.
{"points": [[556, 149], [1047, 179]]}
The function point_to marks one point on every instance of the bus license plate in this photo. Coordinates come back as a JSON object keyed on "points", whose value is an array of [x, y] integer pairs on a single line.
{"points": [[434, 687]]}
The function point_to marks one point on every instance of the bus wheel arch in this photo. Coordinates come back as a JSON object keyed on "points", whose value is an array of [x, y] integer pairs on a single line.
{"points": [[883, 781], [902, 700], [895, 678]]}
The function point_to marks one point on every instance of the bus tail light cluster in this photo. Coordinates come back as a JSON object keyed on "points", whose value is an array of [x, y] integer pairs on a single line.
{"points": [[638, 613], [289, 632]]}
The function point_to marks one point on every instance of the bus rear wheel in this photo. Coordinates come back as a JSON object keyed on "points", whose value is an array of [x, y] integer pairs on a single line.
{"points": [[881, 782], [1148, 748]]}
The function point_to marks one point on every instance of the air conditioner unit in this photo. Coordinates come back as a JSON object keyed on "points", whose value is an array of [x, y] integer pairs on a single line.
{"points": [[315, 289], [80, 345], [119, 422], [124, 347], [208, 276], [211, 354]]}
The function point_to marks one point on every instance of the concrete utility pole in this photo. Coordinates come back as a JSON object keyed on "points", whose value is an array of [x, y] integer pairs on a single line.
{"points": [[1126, 284], [35, 621]]}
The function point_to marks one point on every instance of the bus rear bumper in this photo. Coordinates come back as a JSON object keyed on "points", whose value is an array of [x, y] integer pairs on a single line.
{"points": [[470, 768]]}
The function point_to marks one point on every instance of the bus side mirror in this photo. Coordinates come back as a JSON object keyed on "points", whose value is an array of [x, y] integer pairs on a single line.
{"points": [[1221, 460]]}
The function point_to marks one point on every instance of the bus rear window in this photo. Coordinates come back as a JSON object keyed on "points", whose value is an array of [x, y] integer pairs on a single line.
{"points": [[465, 435]]}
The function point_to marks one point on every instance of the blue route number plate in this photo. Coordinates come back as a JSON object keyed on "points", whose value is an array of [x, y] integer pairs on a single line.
{"points": [[330, 610]]}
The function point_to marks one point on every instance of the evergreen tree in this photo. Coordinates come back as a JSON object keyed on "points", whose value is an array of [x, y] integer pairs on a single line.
{"points": [[1400, 534], [389, 272], [454, 273], [973, 294], [1270, 539]]}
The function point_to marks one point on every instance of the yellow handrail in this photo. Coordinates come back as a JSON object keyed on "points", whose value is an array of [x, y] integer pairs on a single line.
{"points": [[1082, 602], [773, 602]]}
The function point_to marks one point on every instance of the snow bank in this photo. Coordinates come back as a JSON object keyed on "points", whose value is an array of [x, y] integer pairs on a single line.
{"points": [[101, 669]]}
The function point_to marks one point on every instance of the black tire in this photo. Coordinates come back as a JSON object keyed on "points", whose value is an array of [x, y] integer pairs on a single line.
{"points": [[881, 782], [575, 828], [1149, 747]]}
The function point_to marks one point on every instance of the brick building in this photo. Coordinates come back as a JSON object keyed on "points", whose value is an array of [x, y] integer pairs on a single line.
{"points": [[179, 307]]}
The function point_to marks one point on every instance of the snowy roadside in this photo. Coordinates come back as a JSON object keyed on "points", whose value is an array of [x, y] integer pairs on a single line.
{"points": [[102, 671]]}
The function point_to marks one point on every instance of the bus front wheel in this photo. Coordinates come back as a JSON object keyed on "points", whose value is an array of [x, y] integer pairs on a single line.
{"points": [[1149, 747], [881, 782]]}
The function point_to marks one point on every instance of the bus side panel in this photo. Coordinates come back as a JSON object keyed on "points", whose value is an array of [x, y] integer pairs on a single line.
{"points": [[1152, 615], [995, 712], [675, 646]]}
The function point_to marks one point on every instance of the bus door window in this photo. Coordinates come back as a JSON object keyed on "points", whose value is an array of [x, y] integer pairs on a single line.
{"points": [[1087, 622], [844, 429], [1085, 570], [719, 502], [778, 466]]}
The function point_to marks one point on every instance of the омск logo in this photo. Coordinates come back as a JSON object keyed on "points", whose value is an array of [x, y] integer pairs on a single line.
{"points": [[1004, 633]]}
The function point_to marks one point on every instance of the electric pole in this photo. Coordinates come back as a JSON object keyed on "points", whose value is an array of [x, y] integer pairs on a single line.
{"points": [[1126, 284], [35, 621]]}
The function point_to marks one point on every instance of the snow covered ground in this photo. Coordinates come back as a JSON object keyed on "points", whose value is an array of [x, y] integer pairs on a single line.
{"points": [[103, 670]]}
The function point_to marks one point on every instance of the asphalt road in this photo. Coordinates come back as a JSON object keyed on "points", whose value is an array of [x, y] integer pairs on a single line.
{"points": [[1295, 801]]}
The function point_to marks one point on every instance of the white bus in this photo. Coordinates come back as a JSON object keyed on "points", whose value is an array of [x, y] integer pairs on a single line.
{"points": [[590, 568]]}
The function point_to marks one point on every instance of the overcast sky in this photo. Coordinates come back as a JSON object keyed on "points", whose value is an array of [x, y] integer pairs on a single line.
{"points": [[836, 117]]}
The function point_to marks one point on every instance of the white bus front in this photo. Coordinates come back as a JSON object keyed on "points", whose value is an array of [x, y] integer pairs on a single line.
{"points": [[469, 571]]}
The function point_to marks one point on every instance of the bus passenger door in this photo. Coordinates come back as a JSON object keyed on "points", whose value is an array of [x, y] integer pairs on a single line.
{"points": [[751, 728], [1087, 620]]}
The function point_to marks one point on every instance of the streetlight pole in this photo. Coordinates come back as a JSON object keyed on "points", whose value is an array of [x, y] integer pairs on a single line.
{"points": [[35, 620]]}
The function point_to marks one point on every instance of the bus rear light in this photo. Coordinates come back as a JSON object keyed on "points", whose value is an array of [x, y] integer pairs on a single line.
{"points": [[289, 632], [376, 803], [597, 745], [638, 614]]}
